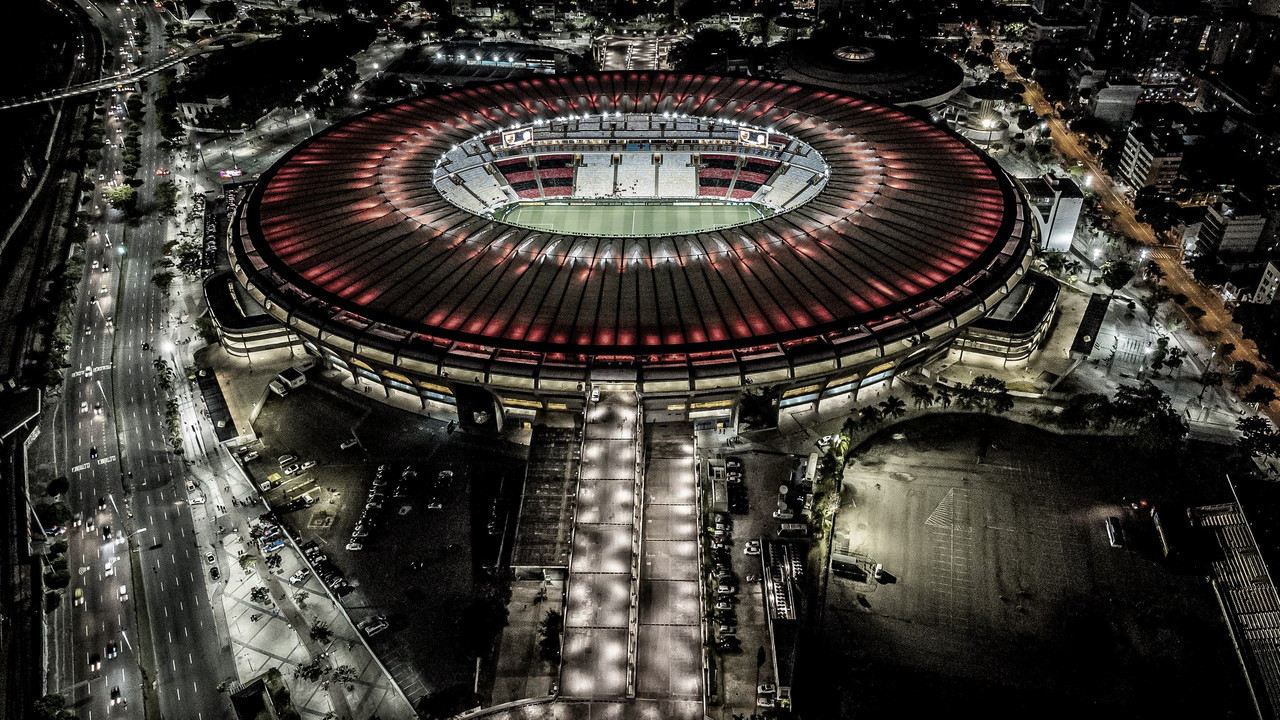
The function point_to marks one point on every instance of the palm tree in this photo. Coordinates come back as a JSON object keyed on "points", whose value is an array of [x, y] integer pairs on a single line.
{"points": [[944, 396], [921, 397], [893, 407], [868, 416]]}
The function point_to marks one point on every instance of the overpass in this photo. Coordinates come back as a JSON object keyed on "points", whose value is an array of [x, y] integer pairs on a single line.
{"points": [[128, 78]]}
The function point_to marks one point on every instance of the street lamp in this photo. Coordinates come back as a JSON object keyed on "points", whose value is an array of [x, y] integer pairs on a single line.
{"points": [[1097, 254], [310, 130], [203, 162]]}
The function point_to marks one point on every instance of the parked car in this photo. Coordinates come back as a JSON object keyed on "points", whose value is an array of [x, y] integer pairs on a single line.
{"points": [[373, 625], [286, 459], [353, 546], [348, 444]]}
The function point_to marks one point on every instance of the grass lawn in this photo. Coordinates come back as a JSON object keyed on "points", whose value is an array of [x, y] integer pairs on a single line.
{"points": [[630, 220]]}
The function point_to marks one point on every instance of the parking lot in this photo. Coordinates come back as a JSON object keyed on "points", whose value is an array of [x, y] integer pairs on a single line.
{"points": [[416, 563], [1002, 590], [762, 471]]}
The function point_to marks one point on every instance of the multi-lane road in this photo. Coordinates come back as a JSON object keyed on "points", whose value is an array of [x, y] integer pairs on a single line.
{"points": [[1217, 321], [145, 588]]}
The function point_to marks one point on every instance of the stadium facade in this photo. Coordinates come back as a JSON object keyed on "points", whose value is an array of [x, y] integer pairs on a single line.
{"points": [[811, 241]]}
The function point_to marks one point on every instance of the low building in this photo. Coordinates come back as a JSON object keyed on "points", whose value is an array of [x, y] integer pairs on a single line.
{"points": [[1151, 158], [244, 328], [1057, 203], [1015, 329]]}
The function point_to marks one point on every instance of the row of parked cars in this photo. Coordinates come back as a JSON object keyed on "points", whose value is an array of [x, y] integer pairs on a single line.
{"points": [[738, 502], [326, 572]]}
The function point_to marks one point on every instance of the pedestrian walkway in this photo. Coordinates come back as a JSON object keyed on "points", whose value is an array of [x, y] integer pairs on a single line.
{"points": [[600, 620]]}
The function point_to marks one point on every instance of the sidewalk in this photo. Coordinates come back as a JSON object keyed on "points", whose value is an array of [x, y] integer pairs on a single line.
{"points": [[280, 636], [521, 671]]}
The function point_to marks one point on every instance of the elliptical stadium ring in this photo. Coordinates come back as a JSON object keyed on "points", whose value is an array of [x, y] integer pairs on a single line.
{"points": [[879, 235]]}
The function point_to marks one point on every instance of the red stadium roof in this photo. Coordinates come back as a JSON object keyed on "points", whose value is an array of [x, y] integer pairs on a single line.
{"points": [[349, 231]]}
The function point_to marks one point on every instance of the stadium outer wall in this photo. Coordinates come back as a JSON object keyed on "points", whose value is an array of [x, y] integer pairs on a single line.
{"points": [[437, 376]]}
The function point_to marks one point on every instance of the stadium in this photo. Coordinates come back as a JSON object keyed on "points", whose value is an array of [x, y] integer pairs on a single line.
{"points": [[684, 236]]}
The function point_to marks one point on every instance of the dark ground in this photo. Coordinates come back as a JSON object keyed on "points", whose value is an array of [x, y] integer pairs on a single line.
{"points": [[1015, 602], [424, 606]]}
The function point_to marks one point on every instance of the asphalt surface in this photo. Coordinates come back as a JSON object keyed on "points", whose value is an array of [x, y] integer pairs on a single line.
{"points": [[153, 602]]}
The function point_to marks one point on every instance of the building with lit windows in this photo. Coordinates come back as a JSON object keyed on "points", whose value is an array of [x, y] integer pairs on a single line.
{"points": [[508, 247]]}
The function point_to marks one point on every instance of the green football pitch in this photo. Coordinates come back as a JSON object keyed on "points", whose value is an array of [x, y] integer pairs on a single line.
{"points": [[630, 220]]}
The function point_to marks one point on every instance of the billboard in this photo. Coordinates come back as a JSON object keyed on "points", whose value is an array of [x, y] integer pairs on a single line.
{"points": [[519, 136], [759, 138], [234, 172]]}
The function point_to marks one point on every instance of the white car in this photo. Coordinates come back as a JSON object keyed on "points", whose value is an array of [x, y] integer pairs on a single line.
{"points": [[291, 469], [84, 406], [348, 444], [298, 577], [308, 464], [210, 557], [124, 593], [197, 500], [286, 459], [111, 569], [252, 455], [752, 548], [373, 625], [191, 486], [353, 546]]}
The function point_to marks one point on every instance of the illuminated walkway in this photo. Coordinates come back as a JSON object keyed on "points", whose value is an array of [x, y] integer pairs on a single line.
{"points": [[600, 612]]}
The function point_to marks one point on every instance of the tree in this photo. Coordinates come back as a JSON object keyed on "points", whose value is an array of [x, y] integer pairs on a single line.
{"points": [[162, 280], [1261, 324], [1116, 274], [122, 197], [921, 396], [987, 46], [321, 633], [259, 594], [1257, 439], [1208, 379], [247, 561], [869, 416], [51, 707], [221, 11], [344, 674], [1147, 410], [57, 486], [207, 329], [1260, 395], [1241, 372], [893, 407], [300, 597], [988, 395], [944, 396], [1150, 303], [311, 672], [552, 626], [166, 197]]}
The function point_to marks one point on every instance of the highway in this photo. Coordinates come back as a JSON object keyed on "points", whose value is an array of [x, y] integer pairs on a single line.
{"points": [[1217, 322], [145, 588]]}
